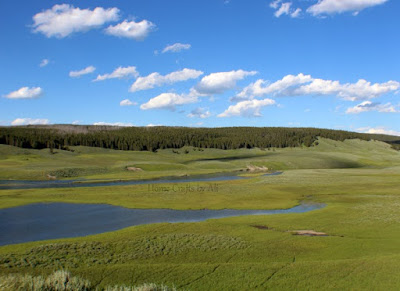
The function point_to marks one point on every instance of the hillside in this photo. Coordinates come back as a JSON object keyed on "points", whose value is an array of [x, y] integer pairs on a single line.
{"points": [[99, 163], [154, 138]]}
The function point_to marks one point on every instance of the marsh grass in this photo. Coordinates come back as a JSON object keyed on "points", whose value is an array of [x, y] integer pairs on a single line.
{"points": [[73, 255], [63, 281], [57, 281]]}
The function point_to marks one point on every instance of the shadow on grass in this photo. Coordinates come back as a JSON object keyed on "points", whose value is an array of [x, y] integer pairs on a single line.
{"points": [[228, 159]]}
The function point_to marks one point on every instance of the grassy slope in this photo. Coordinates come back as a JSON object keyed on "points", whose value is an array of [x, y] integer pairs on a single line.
{"points": [[97, 163], [361, 217]]}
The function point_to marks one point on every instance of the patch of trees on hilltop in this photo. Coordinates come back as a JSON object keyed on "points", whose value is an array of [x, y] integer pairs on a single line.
{"points": [[154, 138]]}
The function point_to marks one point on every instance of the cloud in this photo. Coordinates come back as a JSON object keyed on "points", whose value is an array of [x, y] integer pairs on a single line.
{"points": [[249, 108], [176, 47], [275, 4], [85, 71], [379, 130], [27, 121], [367, 106], [132, 29], [123, 124], [199, 113], [44, 63], [169, 101], [217, 83], [127, 102], [350, 91], [261, 87], [156, 80], [119, 73], [152, 125], [335, 6], [296, 13], [284, 9], [302, 85], [63, 20], [25, 93]]}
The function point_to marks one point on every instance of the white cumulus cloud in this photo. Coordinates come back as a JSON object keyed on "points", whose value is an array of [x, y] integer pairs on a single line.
{"points": [[156, 79], [340, 6], [127, 102], [367, 106], [361, 90], [176, 47], [131, 29], [85, 71], [302, 85], [379, 130], [199, 113], [27, 121], [249, 108], [25, 93], [169, 101], [262, 87], [119, 73], [217, 83], [63, 20]]}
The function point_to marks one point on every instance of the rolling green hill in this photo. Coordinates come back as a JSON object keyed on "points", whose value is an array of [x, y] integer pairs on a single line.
{"points": [[99, 163]]}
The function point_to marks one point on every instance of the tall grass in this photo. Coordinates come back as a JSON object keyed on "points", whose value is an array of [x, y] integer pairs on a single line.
{"points": [[59, 280], [63, 281]]}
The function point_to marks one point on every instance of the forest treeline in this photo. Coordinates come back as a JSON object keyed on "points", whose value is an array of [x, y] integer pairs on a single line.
{"points": [[160, 137]]}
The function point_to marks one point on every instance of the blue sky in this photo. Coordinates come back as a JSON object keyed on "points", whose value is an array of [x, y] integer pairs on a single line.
{"points": [[298, 63]]}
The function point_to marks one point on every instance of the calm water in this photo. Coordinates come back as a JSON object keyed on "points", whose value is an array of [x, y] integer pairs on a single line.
{"points": [[273, 174], [25, 184], [61, 220]]}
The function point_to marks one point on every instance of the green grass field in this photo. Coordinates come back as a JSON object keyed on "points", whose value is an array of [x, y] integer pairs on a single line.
{"points": [[97, 163], [357, 180]]}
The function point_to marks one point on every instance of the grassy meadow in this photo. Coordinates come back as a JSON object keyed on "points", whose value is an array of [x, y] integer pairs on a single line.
{"points": [[357, 180]]}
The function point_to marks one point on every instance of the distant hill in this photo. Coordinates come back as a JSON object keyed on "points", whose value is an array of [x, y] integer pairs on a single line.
{"points": [[161, 137]]}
